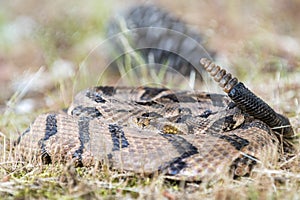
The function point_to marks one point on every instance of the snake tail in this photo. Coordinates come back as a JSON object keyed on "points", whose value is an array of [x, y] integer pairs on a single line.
{"points": [[247, 100]]}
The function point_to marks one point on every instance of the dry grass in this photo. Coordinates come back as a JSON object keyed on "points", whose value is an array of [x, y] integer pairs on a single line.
{"points": [[258, 40]]}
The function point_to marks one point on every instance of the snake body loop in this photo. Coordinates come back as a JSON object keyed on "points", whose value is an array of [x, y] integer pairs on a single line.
{"points": [[189, 135]]}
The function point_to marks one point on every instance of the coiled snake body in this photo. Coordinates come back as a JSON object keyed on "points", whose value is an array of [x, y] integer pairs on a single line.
{"points": [[189, 135], [185, 134]]}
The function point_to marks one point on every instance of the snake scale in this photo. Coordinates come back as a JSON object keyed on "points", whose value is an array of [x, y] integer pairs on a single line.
{"points": [[190, 135]]}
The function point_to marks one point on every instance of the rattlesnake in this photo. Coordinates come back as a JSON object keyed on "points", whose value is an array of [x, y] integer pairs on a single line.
{"points": [[188, 135]]}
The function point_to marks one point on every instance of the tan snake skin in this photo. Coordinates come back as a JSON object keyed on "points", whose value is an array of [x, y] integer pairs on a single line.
{"points": [[189, 135]]}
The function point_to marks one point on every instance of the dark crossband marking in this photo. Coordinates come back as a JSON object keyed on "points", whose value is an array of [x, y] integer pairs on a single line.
{"points": [[118, 137], [234, 140], [184, 148], [237, 142], [84, 137], [90, 112], [50, 130], [106, 90], [206, 114], [152, 104], [151, 114], [95, 96], [151, 92], [217, 127]]}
